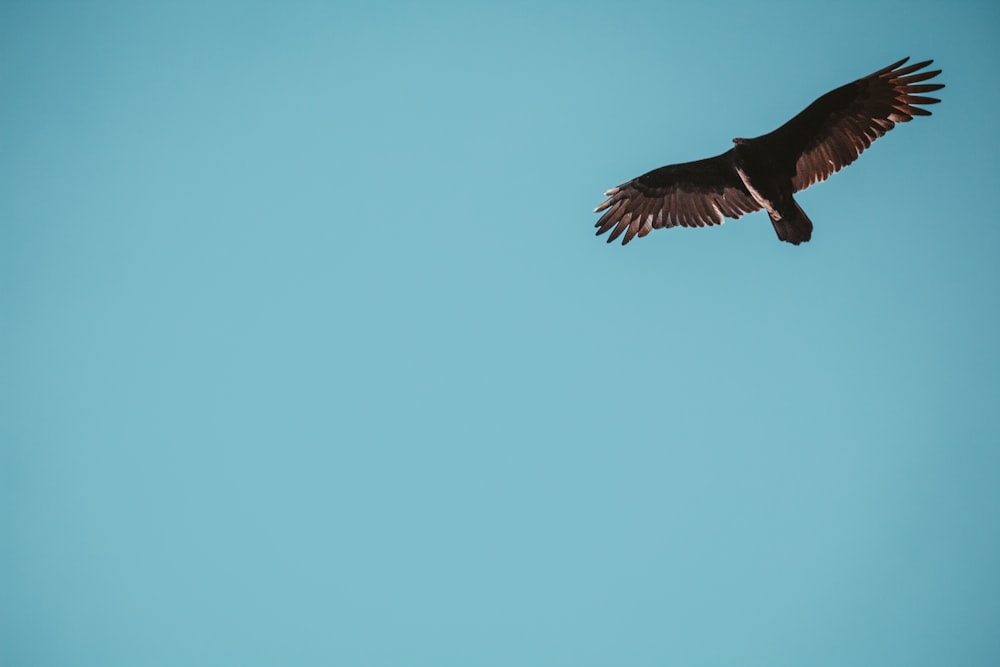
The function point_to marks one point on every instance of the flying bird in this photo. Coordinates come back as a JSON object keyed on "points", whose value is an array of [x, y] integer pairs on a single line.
{"points": [[764, 172]]}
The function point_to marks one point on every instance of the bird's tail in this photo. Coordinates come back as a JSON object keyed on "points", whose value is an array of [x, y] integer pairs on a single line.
{"points": [[794, 225]]}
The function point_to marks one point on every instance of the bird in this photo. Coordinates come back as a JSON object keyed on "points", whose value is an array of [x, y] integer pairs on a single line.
{"points": [[765, 172]]}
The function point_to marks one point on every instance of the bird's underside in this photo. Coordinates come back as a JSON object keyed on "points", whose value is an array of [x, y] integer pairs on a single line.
{"points": [[766, 171]]}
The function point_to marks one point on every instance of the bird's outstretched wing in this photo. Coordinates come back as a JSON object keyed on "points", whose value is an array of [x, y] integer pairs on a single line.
{"points": [[833, 131], [691, 194]]}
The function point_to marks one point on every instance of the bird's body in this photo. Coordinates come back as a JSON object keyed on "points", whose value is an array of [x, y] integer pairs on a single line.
{"points": [[766, 171], [770, 186]]}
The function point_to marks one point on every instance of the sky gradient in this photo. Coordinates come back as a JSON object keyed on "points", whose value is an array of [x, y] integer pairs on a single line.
{"points": [[309, 356]]}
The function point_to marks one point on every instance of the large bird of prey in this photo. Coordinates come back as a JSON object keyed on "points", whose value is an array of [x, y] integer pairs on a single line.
{"points": [[764, 172]]}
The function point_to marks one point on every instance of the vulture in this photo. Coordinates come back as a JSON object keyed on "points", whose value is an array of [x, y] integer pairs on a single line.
{"points": [[766, 171]]}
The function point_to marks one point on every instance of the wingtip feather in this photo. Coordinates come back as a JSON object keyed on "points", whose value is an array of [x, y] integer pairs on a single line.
{"points": [[916, 78], [900, 71], [920, 99], [891, 67]]}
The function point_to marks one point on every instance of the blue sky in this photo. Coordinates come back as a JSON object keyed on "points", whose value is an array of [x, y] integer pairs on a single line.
{"points": [[308, 354]]}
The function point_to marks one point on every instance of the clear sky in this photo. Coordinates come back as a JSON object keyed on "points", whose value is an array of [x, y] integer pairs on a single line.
{"points": [[309, 356]]}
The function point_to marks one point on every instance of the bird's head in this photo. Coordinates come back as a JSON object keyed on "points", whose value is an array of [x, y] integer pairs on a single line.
{"points": [[738, 140]]}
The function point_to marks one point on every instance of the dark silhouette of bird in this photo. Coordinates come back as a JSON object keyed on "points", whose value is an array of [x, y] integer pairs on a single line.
{"points": [[764, 172]]}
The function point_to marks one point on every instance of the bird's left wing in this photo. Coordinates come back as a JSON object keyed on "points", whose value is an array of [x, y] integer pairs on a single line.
{"points": [[691, 194], [832, 132]]}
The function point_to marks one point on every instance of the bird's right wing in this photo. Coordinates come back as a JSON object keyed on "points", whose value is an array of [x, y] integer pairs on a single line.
{"points": [[691, 194]]}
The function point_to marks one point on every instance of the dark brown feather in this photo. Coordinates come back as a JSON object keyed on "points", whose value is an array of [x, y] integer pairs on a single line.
{"points": [[835, 129], [692, 194]]}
